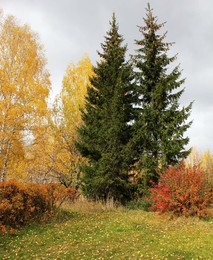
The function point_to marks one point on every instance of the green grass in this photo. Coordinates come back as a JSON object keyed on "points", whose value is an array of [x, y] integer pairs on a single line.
{"points": [[114, 234]]}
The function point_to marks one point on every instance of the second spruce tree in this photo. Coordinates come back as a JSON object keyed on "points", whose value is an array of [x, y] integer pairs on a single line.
{"points": [[161, 123]]}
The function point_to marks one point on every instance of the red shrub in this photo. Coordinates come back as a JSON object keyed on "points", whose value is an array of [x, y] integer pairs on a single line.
{"points": [[182, 190], [21, 203]]}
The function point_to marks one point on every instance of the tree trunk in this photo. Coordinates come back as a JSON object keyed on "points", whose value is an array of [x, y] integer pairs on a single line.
{"points": [[3, 170]]}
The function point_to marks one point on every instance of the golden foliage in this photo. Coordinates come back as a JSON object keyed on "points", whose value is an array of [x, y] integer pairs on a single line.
{"points": [[66, 119], [205, 160], [24, 88]]}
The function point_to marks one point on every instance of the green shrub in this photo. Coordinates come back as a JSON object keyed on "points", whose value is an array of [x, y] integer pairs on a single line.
{"points": [[140, 203]]}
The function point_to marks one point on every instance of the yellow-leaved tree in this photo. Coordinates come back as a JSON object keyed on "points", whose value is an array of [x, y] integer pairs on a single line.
{"points": [[205, 160], [38, 156], [24, 89], [194, 157], [66, 119], [207, 165]]}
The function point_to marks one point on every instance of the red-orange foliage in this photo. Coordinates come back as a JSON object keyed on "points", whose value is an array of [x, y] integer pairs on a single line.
{"points": [[183, 191], [21, 203]]}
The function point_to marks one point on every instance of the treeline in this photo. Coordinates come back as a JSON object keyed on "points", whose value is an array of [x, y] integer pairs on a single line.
{"points": [[114, 128]]}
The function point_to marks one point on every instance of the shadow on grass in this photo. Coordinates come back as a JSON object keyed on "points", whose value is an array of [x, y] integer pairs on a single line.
{"points": [[63, 215]]}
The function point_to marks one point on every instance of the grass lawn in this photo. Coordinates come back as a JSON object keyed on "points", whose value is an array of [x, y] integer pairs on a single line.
{"points": [[114, 234]]}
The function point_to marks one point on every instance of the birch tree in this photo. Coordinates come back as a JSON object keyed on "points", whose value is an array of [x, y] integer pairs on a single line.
{"points": [[24, 89]]}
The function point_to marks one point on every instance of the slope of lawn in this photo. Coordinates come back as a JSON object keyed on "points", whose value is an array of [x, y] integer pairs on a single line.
{"points": [[115, 234]]}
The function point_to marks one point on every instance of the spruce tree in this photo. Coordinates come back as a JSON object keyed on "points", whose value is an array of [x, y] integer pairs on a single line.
{"points": [[105, 134], [161, 123]]}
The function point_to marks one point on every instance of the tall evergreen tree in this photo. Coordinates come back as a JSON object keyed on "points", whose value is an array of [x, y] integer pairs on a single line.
{"points": [[161, 123], [106, 131]]}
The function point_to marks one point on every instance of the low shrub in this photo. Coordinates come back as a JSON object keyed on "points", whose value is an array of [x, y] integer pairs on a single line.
{"points": [[143, 203], [21, 203], [183, 191]]}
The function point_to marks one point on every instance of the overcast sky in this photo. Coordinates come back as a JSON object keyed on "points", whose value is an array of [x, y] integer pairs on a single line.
{"points": [[70, 28]]}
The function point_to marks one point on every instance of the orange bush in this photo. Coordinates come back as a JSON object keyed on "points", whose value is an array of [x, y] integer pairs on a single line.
{"points": [[21, 203], [57, 194], [182, 190], [15, 203]]}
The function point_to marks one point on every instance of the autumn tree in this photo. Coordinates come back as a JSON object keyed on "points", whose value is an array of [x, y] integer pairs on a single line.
{"points": [[194, 157], [106, 131], [204, 160], [67, 118], [38, 163], [207, 165], [24, 88], [161, 124]]}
